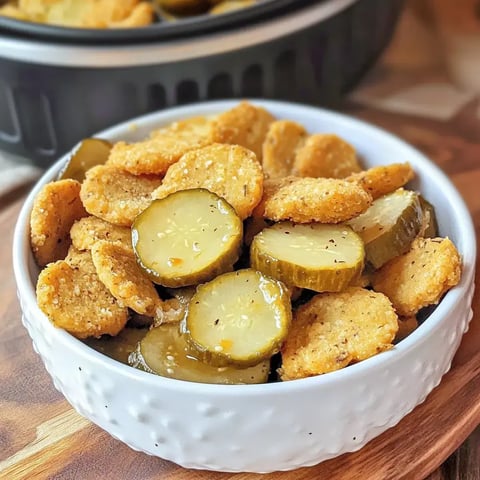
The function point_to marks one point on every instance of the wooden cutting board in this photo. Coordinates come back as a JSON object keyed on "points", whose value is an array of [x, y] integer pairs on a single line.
{"points": [[42, 437]]}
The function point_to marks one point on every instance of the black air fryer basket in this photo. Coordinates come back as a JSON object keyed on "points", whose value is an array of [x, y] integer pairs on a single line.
{"points": [[59, 85]]}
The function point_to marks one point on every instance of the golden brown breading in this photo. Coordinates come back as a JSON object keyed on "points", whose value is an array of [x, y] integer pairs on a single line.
{"points": [[325, 155], [281, 144], [141, 15], [384, 179], [406, 325], [80, 259], [421, 276], [334, 330], [88, 13], [12, 11], [244, 125], [230, 6], [305, 200], [172, 310], [74, 298], [230, 171], [55, 208], [119, 271], [164, 147], [117, 196], [88, 230]]}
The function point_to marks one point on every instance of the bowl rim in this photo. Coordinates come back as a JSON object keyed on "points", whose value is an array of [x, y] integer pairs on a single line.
{"points": [[26, 289]]}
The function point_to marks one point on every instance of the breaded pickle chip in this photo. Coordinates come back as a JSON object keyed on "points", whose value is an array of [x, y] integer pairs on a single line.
{"points": [[230, 6], [421, 276], [325, 155], [171, 311], [118, 270], [230, 171], [245, 125], [88, 230], [334, 330], [116, 196], [87, 13], [163, 148], [55, 208], [385, 179], [306, 200], [281, 144], [74, 298]]}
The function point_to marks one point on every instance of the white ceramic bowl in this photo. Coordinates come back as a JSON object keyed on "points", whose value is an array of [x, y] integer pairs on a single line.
{"points": [[261, 428]]}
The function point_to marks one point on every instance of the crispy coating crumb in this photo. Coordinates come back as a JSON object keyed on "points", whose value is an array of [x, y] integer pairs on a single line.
{"points": [[164, 147], [325, 155], [172, 310], [421, 276], [334, 330], [116, 196], [88, 13], [230, 171], [305, 200], [379, 181], [74, 298], [244, 125], [88, 230], [280, 147], [117, 268], [55, 208], [406, 325], [12, 11], [80, 259]]}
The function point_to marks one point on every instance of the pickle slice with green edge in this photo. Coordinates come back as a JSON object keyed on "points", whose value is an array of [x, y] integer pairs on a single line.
{"points": [[429, 228], [389, 226], [87, 154], [164, 351], [240, 318], [186, 238], [323, 258]]}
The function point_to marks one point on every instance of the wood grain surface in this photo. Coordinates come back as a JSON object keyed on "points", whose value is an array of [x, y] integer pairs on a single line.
{"points": [[42, 437]]}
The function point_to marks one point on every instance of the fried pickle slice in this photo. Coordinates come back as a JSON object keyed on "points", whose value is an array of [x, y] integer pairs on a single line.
{"points": [[325, 155], [283, 140], [384, 179], [88, 13], [230, 171], [117, 268], [245, 125], [305, 200], [116, 196], [55, 208], [164, 147], [172, 310], [334, 330], [421, 276], [74, 298], [88, 230]]}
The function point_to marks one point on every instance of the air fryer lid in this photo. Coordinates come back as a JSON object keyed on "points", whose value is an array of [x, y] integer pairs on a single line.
{"points": [[186, 27]]}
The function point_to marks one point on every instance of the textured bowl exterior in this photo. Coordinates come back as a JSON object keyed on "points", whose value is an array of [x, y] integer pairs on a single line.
{"points": [[262, 428]]}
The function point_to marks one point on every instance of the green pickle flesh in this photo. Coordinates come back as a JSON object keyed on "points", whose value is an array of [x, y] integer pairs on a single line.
{"points": [[187, 238], [389, 226], [164, 351], [323, 258], [239, 319]]}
